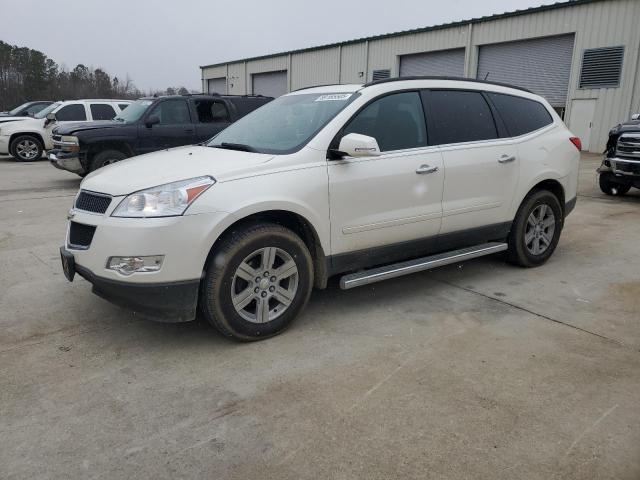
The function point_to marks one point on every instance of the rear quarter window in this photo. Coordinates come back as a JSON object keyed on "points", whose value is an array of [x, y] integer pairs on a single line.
{"points": [[520, 115]]}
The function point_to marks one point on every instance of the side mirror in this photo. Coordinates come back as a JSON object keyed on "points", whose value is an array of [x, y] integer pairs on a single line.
{"points": [[357, 145], [152, 120], [51, 117], [635, 116]]}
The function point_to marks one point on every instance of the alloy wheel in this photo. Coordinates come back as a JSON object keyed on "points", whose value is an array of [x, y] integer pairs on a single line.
{"points": [[264, 285], [27, 149], [541, 226]]}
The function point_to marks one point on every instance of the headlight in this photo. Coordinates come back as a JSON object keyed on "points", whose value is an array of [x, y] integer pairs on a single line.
{"points": [[69, 143], [169, 200]]}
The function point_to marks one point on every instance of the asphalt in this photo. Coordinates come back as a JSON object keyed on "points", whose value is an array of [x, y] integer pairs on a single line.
{"points": [[480, 370]]}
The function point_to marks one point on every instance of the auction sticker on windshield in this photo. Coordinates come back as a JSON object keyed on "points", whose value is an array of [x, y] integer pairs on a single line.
{"points": [[333, 97]]}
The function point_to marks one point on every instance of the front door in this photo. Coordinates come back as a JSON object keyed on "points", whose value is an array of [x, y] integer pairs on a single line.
{"points": [[393, 199], [175, 127], [581, 120]]}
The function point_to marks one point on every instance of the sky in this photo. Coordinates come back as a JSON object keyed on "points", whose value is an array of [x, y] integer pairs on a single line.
{"points": [[161, 44]]}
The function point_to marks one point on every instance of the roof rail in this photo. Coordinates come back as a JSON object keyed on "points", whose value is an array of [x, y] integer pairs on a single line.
{"points": [[435, 77]]}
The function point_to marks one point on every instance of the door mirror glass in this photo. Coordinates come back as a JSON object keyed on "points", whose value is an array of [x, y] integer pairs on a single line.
{"points": [[357, 145], [152, 120]]}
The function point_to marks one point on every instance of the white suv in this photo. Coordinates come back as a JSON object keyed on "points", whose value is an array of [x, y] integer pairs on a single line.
{"points": [[367, 181], [26, 139]]}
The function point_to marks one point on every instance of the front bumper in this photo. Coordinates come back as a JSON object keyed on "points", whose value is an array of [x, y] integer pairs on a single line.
{"points": [[166, 302], [622, 167], [66, 161], [4, 144]]}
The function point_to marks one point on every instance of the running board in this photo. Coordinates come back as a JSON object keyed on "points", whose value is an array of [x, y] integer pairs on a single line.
{"points": [[394, 270]]}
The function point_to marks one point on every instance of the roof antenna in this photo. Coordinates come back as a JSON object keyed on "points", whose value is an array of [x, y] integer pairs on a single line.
{"points": [[486, 76]]}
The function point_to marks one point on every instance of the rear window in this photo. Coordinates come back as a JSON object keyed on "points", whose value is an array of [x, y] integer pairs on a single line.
{"points": [[458, 116], [102, 111], [520, 115]]}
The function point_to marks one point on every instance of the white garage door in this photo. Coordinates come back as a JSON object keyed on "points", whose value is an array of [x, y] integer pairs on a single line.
{"points": [[446, 63], [270, 84], [541, 65], [217, 85]]}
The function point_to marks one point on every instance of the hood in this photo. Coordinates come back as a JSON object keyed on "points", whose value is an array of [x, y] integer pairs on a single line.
{"points": [[172, 165], [75, 127], [4, 119], [26, 124]]}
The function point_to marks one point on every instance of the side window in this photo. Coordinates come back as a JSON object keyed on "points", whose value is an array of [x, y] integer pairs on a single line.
{"points": [[123, 105], [172, 112], [102, 111], [71, 113], [460, 116], [211, 111], [520, 115], [33, 109], [396, 121]]}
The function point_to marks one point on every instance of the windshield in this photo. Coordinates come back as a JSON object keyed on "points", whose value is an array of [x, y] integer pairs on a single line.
{"points": [[16, 110], [47, 110], [134, 111], [283, 125]]}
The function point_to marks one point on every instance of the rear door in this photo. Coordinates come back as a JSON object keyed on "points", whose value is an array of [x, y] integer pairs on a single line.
{"points": [[175, 127], [212, 117], [481, 168], [102, 111]]}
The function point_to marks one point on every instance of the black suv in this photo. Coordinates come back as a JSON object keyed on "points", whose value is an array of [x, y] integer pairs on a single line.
{"points": [[147, 125], [620, 169]]}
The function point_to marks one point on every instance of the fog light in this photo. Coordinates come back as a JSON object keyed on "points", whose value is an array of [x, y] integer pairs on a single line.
{"points": [[129, 265]]}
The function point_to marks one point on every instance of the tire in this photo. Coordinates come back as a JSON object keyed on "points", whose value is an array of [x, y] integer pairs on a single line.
{"points": [[609, 187], [236, 270], [26, 148], [536, 229], [106, 157]]}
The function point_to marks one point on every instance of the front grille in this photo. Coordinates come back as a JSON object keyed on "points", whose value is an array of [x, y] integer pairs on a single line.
{"points": [[80, 235], [628, 146], [92, 202], [627, 167], [56, 138]]}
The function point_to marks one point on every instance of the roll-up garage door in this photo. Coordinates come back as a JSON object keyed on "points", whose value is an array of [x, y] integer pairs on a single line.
{"points": [[448, 63], [217, 85], [270, 84], [541, 65]]}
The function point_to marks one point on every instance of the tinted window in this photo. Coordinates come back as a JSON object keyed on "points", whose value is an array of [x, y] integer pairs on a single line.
{"points": [[395, 121], [33, 109], [460, 116], [172, 112], [210, 111], [520, 115], [102, 111], [123, 105], [71, 113]]}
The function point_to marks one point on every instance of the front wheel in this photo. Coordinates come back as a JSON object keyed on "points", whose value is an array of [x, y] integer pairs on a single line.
{"points": [[609, 187], [106, 157], [26, 148], [257, 282], [536, 229]]}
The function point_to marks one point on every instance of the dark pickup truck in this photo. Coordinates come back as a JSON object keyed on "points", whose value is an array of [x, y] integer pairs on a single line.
{"points": [[147, 125], [620, 168]]}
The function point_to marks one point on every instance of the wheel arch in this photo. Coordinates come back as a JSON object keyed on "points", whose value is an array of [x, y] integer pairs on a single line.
{"points": [[295, 222], [37, 135], [552, 185], [99, 146]]}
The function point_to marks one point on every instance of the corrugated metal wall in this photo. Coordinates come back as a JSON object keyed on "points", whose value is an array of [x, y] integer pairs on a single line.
{"points": [[598, 24], [449, 63]]}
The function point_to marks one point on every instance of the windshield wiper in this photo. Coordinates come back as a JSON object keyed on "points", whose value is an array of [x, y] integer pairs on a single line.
{"points": [[235, 146]]}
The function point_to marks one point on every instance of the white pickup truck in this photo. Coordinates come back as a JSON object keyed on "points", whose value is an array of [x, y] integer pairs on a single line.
{"points": [[26, 139]]}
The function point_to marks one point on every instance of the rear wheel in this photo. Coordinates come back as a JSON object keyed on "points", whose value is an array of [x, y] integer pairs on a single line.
{"points": [[536, 229], [106, 157], [257, 282], [26, 148], [610, 187]]}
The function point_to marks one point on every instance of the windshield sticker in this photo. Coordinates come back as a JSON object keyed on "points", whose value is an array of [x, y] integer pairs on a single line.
{"points": [[332, 97]]}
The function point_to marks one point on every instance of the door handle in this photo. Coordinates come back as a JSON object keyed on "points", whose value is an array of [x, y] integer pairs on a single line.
{"points": [[422, 169], [506, 158]]}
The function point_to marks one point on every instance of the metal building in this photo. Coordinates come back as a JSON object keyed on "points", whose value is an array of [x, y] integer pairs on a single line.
{"points": [[581, 55]]}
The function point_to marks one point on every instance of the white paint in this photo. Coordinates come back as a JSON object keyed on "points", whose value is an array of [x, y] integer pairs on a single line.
{"points": [[581, 121]]}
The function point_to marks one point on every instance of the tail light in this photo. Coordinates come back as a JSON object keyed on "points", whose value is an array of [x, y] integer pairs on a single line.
{"points": [[576, 142]]}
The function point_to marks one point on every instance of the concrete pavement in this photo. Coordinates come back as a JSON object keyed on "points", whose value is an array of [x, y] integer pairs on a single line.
{"points": [[479, 370]]}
